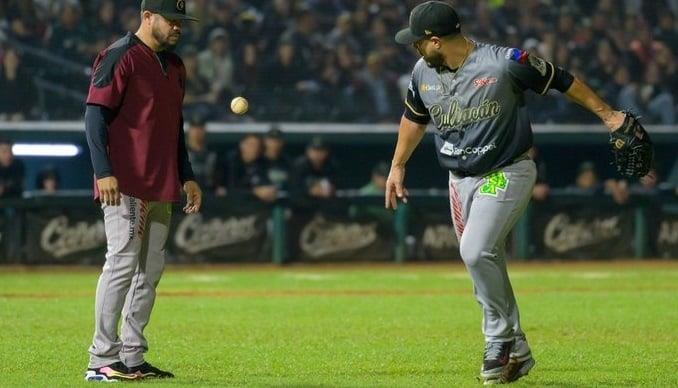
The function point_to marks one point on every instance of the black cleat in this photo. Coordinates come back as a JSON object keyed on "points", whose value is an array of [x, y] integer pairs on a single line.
{"points": [[110, 373], [147, 370], [496, 358], [516, 369]]}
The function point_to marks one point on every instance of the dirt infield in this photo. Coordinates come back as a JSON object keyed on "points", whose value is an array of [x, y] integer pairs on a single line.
{"points": [[329, 293], [433, 266]]}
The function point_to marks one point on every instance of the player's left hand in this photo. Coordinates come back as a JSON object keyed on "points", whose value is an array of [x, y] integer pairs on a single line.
{"points": [[193, 197]]}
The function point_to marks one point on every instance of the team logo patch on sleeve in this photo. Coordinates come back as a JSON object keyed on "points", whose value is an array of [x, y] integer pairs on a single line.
{"points": [[518, 55]]}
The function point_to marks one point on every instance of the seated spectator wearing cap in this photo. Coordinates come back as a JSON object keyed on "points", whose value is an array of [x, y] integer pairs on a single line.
{"points": [[11, 172], [278, 165], [48, 181], [246, 172], [376, 187], [216, 63], [314, 172], [588, 182], [203, 161]]}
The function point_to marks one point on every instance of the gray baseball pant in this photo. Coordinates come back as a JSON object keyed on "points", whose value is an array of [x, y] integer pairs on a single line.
{"points": [[484, 210], [136, 233]]}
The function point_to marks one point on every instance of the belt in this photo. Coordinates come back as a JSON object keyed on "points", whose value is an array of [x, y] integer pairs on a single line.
{"points": [[466, 174]]}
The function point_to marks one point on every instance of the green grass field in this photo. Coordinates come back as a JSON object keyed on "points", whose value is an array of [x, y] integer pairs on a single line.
{"points": [[600, 324]]}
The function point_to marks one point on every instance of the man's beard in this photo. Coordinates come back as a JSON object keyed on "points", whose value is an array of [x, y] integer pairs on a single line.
{"points": [[164, 40], [435, 60]]}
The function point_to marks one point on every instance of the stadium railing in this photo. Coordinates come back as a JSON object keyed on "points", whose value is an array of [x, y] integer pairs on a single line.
{"points": [[68, 229]]}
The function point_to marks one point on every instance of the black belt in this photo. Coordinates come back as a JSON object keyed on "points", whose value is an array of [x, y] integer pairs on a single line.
{"points": [[465, 174]]}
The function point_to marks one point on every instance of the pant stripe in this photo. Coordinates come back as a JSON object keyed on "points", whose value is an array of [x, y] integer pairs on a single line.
{"points": [[455, 206], [143, 208]]}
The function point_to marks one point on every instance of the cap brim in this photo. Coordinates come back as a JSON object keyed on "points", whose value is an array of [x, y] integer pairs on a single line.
{"points": [[178, 16], [405, 36]]}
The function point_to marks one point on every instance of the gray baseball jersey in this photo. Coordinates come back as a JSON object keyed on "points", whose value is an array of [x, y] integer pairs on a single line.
{"points": [[479, 110], [483, 132]]}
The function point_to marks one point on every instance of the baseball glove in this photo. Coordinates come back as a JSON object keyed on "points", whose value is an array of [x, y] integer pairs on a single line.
{"points": [[632, 148]]}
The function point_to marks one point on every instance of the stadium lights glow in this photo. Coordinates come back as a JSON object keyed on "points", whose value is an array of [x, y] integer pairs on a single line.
{"points": [[53, 150]]}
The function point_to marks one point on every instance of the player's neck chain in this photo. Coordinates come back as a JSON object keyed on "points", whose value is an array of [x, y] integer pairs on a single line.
{"points": [[445, 89]]}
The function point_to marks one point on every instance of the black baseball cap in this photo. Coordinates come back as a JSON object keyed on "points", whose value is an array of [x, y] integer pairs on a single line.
{"points": [[169, 9], [432, 18], [317, 143]]}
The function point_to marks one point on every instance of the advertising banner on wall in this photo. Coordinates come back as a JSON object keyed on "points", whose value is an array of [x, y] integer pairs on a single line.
{"points": [[667, 236], [342, 232], [65, 236], [223, 231], [434, 235], [571, 232], [4, 237]]}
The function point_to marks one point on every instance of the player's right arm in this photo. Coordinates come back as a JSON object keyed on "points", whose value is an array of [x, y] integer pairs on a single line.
{"points": [[412, 129], [109, 80], [96, 131]]}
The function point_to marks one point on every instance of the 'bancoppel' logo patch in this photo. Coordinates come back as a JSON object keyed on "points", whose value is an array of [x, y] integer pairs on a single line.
{"points": [[430, 88], [181, 5], [450, 149]]}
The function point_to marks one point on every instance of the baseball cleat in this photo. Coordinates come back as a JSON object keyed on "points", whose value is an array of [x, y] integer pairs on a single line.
{"points": [[147, 370], [495, 359], [505, 362], [516, 369], [109, 373]]}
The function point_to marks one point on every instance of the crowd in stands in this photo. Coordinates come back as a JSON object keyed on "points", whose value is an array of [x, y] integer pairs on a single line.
{"points": [[335, 60]]}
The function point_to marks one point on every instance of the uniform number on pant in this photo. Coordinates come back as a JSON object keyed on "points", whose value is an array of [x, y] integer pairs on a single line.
{"points": [[494, 182]]}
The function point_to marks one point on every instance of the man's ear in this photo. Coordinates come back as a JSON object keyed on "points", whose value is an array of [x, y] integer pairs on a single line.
{"points": [[146, 16], [436, 41]]}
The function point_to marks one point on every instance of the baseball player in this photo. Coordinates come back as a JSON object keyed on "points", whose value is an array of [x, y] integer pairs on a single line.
{"points": [[135, 133], [473, 93]]}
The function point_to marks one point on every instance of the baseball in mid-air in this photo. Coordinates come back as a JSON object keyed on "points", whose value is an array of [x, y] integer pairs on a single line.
{"points": [[239, 105]]}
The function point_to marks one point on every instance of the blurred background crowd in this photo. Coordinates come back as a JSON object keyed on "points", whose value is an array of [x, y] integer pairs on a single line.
{"points": [[335, 60]]}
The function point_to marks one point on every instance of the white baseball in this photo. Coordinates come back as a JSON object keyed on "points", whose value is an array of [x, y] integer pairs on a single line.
{"points": [[239, 105]]}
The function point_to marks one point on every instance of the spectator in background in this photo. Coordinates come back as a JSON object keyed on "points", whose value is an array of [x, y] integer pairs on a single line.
{"points": [[17, 91], [103, 29], [587, 180], [278, 165], [48, 180], [376, 187], [281, 77], [199, 96], [314, 172], [216, 63], [277, 14], [541, 189], [343, 33], [11, 172], [377, 184], [247, 172], [649, 98], [68, 36], [203, 161], [303, 36], [380, 87]]}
